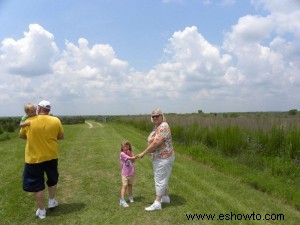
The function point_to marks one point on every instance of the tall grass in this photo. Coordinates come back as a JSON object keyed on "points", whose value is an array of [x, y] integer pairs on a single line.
{"points": [[269, 136]]}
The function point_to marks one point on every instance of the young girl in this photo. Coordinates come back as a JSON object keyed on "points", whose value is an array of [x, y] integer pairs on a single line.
{"points": [[127, 170]]}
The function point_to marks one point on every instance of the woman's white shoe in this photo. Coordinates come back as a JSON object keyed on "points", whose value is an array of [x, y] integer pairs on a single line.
{"points": [[154, 206]]}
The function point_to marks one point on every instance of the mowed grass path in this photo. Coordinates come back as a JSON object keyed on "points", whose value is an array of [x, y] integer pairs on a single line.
{"points": [[89, 186]]}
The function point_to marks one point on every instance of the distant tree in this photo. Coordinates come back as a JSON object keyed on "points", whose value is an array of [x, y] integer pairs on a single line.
{"points": [[234, 115], [293, 112], [200, 111]]}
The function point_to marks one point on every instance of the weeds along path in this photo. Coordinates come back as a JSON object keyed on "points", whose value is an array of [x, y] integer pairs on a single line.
{"points": [[90, 183]]}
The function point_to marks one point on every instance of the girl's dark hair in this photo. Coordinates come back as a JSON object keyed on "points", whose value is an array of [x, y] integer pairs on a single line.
{"points": [[125, 143]]}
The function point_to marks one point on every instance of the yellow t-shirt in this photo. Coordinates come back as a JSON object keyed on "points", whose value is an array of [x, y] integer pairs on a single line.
{"points": [[41, 138]]}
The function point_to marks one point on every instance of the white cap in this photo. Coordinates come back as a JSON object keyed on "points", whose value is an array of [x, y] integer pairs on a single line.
{"points": [[45, 104]]}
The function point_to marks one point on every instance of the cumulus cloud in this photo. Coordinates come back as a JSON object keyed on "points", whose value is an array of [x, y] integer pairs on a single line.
{"points": [[194, 63], [90, 73], [275, 6], [285, 14], [31, 55], [33, 68], [263, 55]]}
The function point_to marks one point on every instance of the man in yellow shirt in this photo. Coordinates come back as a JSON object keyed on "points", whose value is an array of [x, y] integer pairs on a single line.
{"points": [[41, 156]]}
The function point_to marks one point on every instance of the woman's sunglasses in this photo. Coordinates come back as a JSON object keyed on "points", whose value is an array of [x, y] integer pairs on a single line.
{"points": [[155, 116]]}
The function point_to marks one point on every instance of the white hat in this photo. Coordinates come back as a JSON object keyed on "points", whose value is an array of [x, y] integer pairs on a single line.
{"points": [[45, 104]]}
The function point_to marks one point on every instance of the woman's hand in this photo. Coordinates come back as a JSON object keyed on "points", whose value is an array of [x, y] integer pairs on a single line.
{"points": [[139, 156]]}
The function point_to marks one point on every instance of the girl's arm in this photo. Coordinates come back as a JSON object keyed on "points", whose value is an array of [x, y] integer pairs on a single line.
{"points": [[132, 158]]}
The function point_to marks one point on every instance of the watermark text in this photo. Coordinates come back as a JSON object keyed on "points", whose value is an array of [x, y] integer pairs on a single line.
{"points": [[235, 216]]}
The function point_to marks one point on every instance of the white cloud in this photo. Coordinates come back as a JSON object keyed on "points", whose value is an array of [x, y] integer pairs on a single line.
{"points": [[197, 63], [266, 54], [98, 61], [285, 14], [249, 31], [31, 55], [286, 6], [94, 72]]}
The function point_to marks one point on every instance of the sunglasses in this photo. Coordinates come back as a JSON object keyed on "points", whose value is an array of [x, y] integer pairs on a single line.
{"points": [[155, 116]]}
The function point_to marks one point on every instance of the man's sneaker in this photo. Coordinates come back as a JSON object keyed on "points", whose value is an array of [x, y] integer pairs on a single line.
{"points": [[165, 199], [124, 204], [154, 206], [40, 214], [52, 203], [130, 199]]}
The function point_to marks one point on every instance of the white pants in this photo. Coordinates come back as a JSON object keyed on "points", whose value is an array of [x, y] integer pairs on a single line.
{"points": [[162, 169]]}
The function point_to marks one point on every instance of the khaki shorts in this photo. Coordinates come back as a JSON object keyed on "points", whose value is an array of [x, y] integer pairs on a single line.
{"points": [[127, 180]]}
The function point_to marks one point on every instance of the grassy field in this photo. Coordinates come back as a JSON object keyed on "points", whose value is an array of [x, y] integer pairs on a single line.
{"points": [[89, 186]]}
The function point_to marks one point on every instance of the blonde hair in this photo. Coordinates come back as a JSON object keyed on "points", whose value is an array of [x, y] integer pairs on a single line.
{"points": [[28, 107], [158, 112], [125, 143]]}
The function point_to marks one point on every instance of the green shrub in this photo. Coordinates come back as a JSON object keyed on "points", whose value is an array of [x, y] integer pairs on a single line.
{"points": [[72, 119], [293, 112]]}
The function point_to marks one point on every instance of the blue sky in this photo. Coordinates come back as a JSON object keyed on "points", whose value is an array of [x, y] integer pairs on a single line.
{"points": [[131, 56]]}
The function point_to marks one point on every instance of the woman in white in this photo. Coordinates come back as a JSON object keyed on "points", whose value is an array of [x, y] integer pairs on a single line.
{"points": [[163, 156]]}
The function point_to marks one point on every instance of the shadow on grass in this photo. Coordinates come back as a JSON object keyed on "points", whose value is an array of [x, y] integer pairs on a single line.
{"points": [[176, 200], [139, 199], [65, 208]]}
